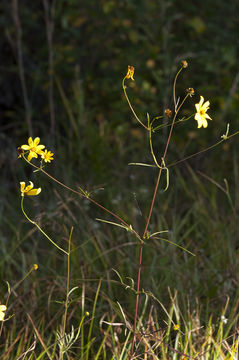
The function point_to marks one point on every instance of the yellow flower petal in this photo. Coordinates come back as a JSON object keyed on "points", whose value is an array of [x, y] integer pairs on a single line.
{"points": [[29, 187], [207, 116], [36, 141], [206, 105], [197, 117], [28, 190], [30, 142], [3, 308], [34, 192], [39, 148], [25, 147], [32, 154], [201, 100], [22, 186]]}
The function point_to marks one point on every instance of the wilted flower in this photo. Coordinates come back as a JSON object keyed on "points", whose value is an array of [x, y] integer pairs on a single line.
{"points": [[201, 115], [47, 156], [168, 112], [20, 151], [190, 91], [184, 63], [130, 73], [33, 148], [28, 190], [3, 308]]}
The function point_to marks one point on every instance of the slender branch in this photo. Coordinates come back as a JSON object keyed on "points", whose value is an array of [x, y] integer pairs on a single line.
{"points": [[174, 89], [150, 213], [39, 228], [202, 151], [129, 103]]}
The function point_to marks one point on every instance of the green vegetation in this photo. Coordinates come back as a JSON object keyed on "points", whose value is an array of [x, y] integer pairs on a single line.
{"points": [[63, 64]]}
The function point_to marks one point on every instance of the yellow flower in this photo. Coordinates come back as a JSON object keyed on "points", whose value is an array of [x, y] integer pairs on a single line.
{"points": [[130, 73], [176, 327], [28, 190], [3, 308], [47, 156], [201, 115], [33, 148], [35, 266]]}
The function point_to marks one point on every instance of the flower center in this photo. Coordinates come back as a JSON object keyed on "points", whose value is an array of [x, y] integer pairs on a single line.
{"points": [[202, 112]]}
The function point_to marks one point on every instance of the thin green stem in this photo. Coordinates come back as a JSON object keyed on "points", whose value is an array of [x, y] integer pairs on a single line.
{"points": [[174, 89], [151, 148], [34, 223], [84, 194], [202, 151], [131, 107]]}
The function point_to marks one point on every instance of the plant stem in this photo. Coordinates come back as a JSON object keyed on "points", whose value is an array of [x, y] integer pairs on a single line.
{"points": [[34, 223], [131, 107], [149, 217]]}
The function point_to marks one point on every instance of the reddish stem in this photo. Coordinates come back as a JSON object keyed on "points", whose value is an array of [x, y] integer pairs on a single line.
{"points": [[147, 225]]}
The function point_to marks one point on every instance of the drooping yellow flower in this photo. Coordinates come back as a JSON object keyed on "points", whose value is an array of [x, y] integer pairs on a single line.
{"points": [[47, 156], [3, 308], [201, 115], [28, 190], [130, 73], [33, 147]]}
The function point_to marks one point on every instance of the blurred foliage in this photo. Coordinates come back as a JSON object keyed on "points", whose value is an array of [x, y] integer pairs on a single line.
{"points": [[92, 45]]}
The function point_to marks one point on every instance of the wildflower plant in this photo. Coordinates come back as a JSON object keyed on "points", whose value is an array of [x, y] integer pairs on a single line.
{"points": [[34, 151]]}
